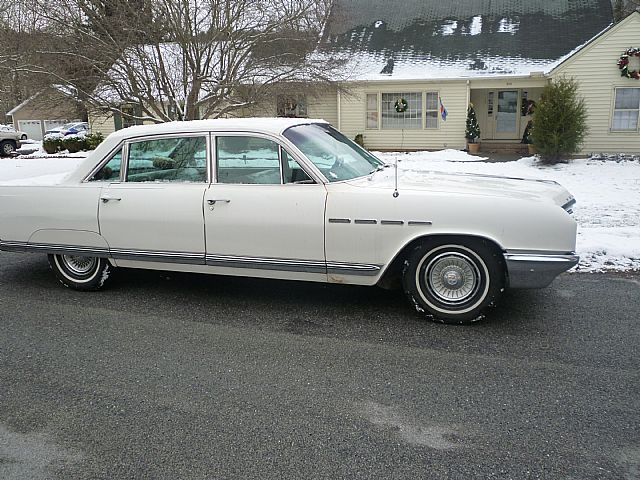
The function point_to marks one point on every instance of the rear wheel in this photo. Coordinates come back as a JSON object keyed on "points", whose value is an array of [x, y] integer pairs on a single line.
{"points": [[7, 147], [454, 280], [80, 273]]}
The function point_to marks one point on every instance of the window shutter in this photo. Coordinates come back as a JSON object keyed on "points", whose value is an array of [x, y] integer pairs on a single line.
{"points": [[137, 109], [117, 121]]}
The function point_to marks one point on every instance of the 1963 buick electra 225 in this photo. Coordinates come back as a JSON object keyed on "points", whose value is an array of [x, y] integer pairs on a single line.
{"points": [[291, 199]]}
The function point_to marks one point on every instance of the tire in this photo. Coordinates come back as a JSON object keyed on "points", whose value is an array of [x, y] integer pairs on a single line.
{"points": [[7, 147], [453, 280], [80, 273], [23, 137]]}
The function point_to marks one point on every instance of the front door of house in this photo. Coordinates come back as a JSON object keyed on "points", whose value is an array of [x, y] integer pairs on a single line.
{"points": [[507, 116]]}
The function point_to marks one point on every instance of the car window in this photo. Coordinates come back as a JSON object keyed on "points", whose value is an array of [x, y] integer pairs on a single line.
{"points": [[337, 157], [292, 172], [248, 159], [179, 159], [110, 172]]}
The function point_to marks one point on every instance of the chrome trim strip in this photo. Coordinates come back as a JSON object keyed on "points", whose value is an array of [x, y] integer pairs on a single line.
{"points": [[541, 258], [391, 222], [339, 220], [365, 222], [418, 223], [261, 263], [292, 265], [52, 248], [339, 268], [157, 256]]}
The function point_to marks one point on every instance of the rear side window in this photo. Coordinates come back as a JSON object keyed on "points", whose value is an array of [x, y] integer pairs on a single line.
{"points": [[180, 159]]}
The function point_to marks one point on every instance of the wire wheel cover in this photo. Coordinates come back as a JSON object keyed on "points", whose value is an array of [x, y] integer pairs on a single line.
{"points": [[452, 278], [79, 265]]}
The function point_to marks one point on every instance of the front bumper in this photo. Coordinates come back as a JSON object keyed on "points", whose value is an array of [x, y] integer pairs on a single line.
{"points": [[536, 270]]}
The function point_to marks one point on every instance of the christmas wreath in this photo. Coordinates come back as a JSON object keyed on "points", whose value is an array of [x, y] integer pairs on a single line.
{"points": [[401, 105], [623, 63]]}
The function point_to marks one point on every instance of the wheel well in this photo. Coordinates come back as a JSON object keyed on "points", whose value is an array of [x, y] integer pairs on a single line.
{"points": [[392, 276]]}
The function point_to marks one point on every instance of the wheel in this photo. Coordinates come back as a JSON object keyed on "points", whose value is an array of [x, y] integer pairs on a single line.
{"points": [[454, 280], [7, 147], [23, 137], [80, 273]]}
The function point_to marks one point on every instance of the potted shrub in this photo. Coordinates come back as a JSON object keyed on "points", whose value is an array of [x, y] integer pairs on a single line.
{"points": [[472, 132]]}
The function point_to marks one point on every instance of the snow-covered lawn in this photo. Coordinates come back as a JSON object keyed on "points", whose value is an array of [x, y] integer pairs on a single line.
{"points": [[608, 193]]}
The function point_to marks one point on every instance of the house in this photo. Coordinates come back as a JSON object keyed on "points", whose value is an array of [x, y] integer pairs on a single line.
{"points": [[46, 109], [438, 57]]}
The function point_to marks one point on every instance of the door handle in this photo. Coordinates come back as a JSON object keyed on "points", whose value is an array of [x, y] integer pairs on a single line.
{"points": [[214, 200], [106, 198]]}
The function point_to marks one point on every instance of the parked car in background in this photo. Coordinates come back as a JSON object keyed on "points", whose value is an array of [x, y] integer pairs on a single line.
{"points": [[10, 128], [291, 199], [73, 128], [10, 141]]}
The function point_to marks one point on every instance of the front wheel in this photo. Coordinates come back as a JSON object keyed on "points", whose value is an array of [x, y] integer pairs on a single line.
{"points": [[80, 273], [454, 281], [7, 147]]}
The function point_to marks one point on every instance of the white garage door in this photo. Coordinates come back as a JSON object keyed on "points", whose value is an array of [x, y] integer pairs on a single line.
{"points": [[33, 128]]}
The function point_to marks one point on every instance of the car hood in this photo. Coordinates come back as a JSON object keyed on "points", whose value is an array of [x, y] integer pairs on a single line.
{"points": [[470, 184]]}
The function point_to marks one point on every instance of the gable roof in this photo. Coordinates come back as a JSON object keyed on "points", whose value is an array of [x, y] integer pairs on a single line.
{"points": [[410, 39]]}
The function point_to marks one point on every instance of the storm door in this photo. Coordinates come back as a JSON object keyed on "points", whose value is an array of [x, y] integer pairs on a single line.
{"points": [[507, 115]]}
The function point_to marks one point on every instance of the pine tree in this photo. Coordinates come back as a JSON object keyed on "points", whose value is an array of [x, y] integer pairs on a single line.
{"points": [[472, 132], [560, 122]]}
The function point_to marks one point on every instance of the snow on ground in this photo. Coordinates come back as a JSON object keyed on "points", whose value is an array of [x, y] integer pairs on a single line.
{"points": [[607, 192]]}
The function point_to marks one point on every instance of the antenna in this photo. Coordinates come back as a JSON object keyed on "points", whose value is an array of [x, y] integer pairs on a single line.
{"points": [[396, 193], [395, 183]]}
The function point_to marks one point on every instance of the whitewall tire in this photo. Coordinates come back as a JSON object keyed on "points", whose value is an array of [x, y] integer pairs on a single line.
{"points": [[80, 272], [454, 280]]}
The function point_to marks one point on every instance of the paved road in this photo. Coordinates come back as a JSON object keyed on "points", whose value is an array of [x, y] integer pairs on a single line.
{"points": [[188, 376]]}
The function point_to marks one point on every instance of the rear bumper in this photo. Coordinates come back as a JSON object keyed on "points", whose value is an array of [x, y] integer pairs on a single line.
{"points": [[536, 270]]}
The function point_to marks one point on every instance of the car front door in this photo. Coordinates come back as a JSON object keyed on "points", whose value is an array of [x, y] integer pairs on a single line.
{"points": [[264, 215], [153, 211]]}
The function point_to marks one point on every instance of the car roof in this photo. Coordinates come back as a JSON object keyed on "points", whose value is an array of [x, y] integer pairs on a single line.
{"points": [[265, 125]]}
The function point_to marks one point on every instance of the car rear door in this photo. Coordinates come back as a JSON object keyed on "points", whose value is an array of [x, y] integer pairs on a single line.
{"points": [[153, 212]]}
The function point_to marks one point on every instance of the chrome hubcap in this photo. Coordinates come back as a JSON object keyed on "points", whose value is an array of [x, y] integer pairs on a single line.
{"points": [[79, 265], [452, 278]]}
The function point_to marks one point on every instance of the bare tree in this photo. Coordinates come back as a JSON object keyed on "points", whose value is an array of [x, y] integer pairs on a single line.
{"points": [[178, 59]]}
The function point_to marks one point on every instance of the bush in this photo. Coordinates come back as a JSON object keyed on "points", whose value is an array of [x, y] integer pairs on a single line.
{"points": [[359, 140], [52, 145], [93, 140], [74, 144], [560, 122]]}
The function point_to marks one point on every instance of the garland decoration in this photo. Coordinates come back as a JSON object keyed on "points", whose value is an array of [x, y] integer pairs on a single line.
{"points": [[623, 63], [401, 105]]}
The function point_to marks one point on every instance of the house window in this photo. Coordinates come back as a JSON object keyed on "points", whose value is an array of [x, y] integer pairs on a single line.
{"points": [[626, 110], [411, 118], [127, 121], [372, 110], [292, 106], [432, 110]]}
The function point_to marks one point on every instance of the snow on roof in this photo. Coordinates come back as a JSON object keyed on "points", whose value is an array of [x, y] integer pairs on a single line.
{"points": [[423, 39]]}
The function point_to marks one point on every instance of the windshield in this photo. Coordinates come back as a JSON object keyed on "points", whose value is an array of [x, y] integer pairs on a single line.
{"points": [[337, 157]]}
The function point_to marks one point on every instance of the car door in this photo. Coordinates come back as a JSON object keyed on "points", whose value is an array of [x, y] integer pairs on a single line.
{"points": [[153, 212], [264, 215]]}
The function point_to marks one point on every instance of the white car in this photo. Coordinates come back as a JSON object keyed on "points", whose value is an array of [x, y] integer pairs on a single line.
{"points": [[9, 128], [291, 199]]}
